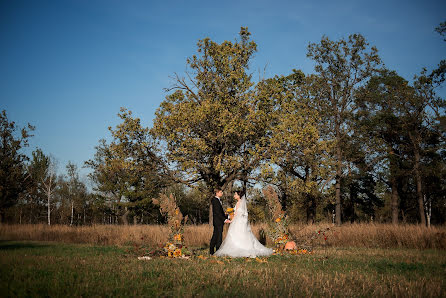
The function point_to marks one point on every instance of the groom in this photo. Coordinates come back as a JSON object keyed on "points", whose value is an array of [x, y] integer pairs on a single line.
{"points": [[219, 219]]}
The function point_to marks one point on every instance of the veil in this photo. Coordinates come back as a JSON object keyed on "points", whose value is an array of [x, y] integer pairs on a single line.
{"points": [[241, 211]]}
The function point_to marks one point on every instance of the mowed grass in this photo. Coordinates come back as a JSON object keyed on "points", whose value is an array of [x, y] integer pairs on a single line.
{"points": [[36, 269]]}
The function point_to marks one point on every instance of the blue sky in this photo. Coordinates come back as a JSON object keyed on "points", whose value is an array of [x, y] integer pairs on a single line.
{"points": [[68, 66]]}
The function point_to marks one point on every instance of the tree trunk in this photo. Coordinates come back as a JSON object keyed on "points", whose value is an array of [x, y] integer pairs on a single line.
{"points": [[394, 186], [394, 200], [418, 181], [211, 194], [48, 190], [49, 208], [349, 207], [420, 195], [124, 217], [72, 213], [311, 209], [429, 212], [338, 183]]}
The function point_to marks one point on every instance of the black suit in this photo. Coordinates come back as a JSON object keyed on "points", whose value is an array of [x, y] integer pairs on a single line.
{"points": [[219, 218]]}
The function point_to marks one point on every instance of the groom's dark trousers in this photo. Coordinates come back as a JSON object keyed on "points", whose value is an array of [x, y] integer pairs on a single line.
{"points": [[218, 221]]}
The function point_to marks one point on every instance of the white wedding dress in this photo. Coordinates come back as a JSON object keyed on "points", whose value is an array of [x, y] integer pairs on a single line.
{"points": [[240, 241]]}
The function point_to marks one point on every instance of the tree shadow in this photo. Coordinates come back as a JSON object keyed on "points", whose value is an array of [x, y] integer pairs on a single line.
{"points": [[12, 245], [262, 238]]}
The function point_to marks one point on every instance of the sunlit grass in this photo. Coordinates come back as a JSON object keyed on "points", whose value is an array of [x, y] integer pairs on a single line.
{"points": [[54, 269]]}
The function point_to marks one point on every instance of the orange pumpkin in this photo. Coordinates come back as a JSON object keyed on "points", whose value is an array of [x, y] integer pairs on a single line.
{"points": [[290, 245]]}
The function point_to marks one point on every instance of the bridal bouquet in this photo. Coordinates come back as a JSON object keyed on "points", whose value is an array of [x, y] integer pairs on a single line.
{"points": [[230, 212], [175, 245]]}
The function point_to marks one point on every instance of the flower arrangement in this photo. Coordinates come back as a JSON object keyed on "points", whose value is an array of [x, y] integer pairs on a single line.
{"points": [[174, 247], [230, 212], [278, 228], [301, 251]]}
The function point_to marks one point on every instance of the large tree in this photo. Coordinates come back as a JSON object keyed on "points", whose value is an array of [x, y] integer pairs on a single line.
{"points": [[380, 127], [297, 159], [342, 66], [403, 128], [212, 122], [13, 177]]}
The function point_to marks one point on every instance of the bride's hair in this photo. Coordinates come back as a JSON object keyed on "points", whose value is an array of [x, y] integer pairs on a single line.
{"points": [[240, 193]]}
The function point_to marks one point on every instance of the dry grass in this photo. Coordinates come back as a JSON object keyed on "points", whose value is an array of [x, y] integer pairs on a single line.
{"points": [[355, 235], [44, 269], [374, 236]]}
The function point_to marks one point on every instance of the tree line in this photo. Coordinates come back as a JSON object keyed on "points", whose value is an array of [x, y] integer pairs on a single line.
{"points": [[351, 142]]}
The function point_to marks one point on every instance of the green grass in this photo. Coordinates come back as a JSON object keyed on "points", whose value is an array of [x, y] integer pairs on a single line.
{"points": [[54, 269]]}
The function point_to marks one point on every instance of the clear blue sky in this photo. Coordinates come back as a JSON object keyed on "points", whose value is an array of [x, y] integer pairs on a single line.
{"points": [[68, 66]]}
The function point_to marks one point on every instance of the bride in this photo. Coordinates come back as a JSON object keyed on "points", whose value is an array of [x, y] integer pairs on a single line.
{"points": [[240, 241]]}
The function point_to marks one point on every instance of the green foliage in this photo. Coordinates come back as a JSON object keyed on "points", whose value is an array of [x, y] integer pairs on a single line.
{"points": [[299, 158], [13, 177], [43, 183], [193, 202], [212, 123], [397, 123], [129, 168], [438, 74], [342, 66]]}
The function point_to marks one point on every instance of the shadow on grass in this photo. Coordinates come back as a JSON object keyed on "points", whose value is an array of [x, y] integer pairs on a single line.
{"points": [[12, 245]]}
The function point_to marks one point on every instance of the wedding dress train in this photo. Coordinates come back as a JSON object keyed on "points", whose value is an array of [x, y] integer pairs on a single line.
{"points": [[240, 241]]}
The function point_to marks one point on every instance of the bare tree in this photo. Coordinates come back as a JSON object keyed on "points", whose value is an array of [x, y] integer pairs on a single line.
{"points": [[49, 184]]}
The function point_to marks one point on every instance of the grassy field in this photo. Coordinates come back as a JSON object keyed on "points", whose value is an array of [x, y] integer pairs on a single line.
{"points": [[30, 268], [350, 260]]}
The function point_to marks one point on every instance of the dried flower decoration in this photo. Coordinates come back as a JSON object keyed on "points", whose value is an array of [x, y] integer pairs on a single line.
{"points": [[174, 247]]}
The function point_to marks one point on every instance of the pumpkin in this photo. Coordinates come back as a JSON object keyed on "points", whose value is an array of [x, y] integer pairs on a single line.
{"points": [[290, 245]]}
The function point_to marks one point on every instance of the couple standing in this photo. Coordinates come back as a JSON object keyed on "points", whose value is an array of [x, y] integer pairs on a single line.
{"points": [[239, 241]]}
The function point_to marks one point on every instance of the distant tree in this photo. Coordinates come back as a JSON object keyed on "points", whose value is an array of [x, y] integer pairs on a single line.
{"points": [[403, 123], [49, 182], [193, 202], [108, 181], [42, 170], [129, 169], [13, 177], [342, 66], [76, 190]]}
